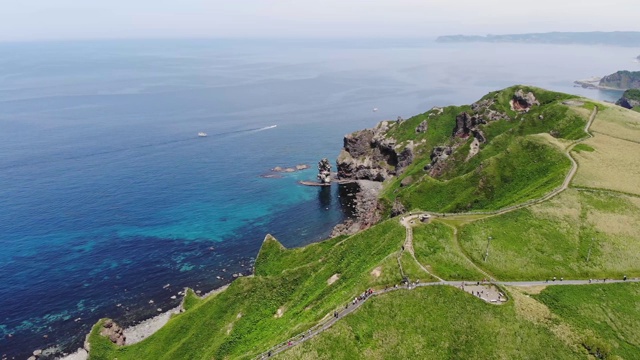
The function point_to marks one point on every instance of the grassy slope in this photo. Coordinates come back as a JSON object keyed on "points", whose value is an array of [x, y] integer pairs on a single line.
{"points": [[553, 238], [511, 167], [613, 162], [240, 322], [435, 247], [528, 169], [608, 312], [438, 322]]}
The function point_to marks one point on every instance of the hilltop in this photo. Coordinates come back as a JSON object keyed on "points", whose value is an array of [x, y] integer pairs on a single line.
{"points": [[617, 38], [526, 188], [482, 156]]}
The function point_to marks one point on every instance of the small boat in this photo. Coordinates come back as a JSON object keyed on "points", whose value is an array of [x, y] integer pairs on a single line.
{"points": [[202, 134], [375, 109]]}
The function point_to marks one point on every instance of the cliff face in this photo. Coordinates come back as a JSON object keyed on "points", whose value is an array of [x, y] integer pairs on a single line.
{"points": [[622, 80], [371, 155], [630, 99]]}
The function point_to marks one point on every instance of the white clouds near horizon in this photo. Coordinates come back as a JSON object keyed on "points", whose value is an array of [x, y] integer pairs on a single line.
{"points": [[72, 19]]}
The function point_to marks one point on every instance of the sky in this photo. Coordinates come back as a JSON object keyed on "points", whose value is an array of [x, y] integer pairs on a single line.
{"points": [[29, 20]]}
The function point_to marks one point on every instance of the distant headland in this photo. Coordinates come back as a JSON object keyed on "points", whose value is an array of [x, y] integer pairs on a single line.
{"points": [[620, 80], [616, 38]]}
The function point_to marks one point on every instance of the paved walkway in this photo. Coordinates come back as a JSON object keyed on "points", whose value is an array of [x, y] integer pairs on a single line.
{"points": [[463, 285]]}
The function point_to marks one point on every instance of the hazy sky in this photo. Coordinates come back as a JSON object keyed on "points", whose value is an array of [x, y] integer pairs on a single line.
{"points": [[82, 19]]}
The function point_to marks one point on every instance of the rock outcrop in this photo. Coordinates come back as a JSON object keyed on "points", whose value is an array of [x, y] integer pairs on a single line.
{"points": [[114, 332], [324, 171], [468, 125], [367, 209], [523, 102], [630, 99], [483, 109], [423, 127], [397, 209], [438, 156], [371, 155]]}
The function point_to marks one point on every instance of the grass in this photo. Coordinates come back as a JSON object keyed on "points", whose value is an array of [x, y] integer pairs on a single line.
{"points": [[412, 270], [435, 247], [440, 126], [583, 147], [612, 162], [604, 314], [240, 322], [514, 165], [632, 94], [554, 238], [617, 122], [527, 169], [613, 165], [438, 322]]}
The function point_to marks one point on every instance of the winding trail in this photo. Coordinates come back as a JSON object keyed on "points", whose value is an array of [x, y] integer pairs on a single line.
{"points": [[328, 322], [409, 221], [551, 194]]}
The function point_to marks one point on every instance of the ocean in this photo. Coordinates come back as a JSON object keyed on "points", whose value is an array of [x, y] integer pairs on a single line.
{"points": [[109, 200]]}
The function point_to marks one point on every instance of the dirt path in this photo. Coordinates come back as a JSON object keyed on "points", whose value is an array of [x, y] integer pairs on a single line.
{"points": [[408, 222]]}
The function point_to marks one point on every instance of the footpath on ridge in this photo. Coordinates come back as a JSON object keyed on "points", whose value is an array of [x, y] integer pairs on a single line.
{"points": [[408, 222]]}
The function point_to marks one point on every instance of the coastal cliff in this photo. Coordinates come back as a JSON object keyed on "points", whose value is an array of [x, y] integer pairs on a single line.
{"points": [[372, 154], [426, 146], [630, 99], [622, 80]]}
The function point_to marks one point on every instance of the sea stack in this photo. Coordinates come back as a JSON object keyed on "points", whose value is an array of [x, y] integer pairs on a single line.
{"points": [[324, 171]]}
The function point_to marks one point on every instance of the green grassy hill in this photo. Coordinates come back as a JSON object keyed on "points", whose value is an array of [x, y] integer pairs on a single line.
{"points": [[288, 294], [513, 165], [589, 230], [434, 323], [562, 322]]}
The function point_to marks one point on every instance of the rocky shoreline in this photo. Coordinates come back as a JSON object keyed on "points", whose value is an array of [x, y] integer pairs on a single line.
{"points": [[275, 173], [136, 333], [593, 83]]}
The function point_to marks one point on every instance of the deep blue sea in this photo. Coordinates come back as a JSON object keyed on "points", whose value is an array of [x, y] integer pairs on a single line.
{"points": [[107, 194]]}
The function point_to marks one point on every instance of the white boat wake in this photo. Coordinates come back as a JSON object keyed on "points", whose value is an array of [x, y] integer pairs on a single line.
{"points": [[267, 128]]}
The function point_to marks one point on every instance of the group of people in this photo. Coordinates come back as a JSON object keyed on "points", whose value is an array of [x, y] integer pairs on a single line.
{"points": [[362, 296]]}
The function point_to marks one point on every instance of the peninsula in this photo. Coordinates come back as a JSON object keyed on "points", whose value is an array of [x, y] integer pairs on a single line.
{"points": [[507, 228], [620, 80], [615, 38]]}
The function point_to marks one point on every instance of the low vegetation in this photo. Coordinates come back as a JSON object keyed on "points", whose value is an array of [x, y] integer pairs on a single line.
{"points": [[583, 147], [607, 316], [612, 162], [514, 165], [438, 322], [578, 234], [289, 294], [435, 247]]}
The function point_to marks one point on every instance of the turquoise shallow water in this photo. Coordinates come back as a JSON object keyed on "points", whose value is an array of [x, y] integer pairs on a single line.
{"points": [[107, 194]]}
